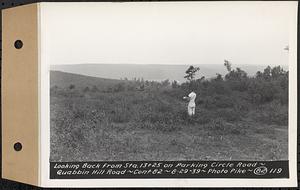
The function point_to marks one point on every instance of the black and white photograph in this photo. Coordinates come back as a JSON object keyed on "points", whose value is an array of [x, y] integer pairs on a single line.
{"points": [[208, 83], [198, 90], [171, 92]]}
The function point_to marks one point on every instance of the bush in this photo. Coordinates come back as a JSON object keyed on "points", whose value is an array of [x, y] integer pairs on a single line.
{"points": [[120, 115], [239, 85], [54, 90], [94, 89], [217, 101], [236, 75], [86, 89], [119, 87], [72, 86], [262, 91], [273, 113]]}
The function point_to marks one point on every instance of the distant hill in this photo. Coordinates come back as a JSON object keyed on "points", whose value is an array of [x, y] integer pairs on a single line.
{"points": [[63, 80], [150, 72]]}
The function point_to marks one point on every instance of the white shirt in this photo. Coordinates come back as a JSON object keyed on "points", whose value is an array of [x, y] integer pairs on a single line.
{"points": [[192, 96]]}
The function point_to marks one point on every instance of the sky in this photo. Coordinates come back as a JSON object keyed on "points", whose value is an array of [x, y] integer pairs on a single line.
{"points": [[181, 33]]}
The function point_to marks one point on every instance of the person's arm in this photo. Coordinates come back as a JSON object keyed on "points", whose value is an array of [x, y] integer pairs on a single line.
{"points": [[186, 98]]}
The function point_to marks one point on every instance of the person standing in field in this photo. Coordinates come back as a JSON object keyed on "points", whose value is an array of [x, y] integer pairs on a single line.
{"points": [[191, 105]]}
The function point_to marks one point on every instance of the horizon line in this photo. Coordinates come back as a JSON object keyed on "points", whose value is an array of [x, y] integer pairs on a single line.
{"points": [[163, 64]]}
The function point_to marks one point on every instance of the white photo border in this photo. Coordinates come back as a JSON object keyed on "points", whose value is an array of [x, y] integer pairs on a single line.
{"points": [[44, 99]]}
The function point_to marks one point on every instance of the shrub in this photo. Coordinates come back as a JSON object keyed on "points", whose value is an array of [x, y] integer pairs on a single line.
{"points": [[218, 87], [120, 115], [94, 89], [284, 97], [236, 75], [72, 86], [78, 114], [175, 84], [262, 91], [165, 82], [119, 87], [217, 101], [86, 89], [273, 113], [54, 90]]}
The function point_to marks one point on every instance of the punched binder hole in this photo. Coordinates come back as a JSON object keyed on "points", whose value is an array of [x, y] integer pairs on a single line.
{"points": [[18, 44], [18, 146]]}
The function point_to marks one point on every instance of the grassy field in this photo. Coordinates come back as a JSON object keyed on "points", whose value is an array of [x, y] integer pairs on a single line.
{"points": [[94, 119]]}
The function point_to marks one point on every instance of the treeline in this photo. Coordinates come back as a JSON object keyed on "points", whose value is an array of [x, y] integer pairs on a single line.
{"points": [[266, 86]]}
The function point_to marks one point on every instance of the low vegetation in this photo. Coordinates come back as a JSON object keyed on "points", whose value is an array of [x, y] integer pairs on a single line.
{"points": [[238, 117]]}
